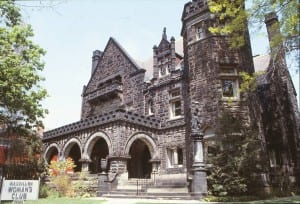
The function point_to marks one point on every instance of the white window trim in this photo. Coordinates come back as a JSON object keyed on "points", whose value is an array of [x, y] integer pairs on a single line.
{"points": [[172, 158], [172, 101], [236, 94], [150, 105], [232, 77], [166, 74]]}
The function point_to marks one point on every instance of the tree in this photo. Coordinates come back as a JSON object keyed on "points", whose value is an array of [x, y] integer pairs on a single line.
{"points": [[239, 159], [21, 94], [20, 64], [232, 16]]}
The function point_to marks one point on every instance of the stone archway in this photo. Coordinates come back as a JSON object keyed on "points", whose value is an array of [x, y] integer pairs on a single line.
{"points": [[99, 151], [72, 149], [51, 151], [141, 148], [97, 147], [139, 165]]}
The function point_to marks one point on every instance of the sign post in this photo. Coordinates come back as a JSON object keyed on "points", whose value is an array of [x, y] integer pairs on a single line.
{"points": [[20, 190]]}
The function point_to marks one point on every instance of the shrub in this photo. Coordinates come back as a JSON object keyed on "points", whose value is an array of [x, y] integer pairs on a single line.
{"points": [[59, 171], [62, 185], [44, 191], [83, 186]]}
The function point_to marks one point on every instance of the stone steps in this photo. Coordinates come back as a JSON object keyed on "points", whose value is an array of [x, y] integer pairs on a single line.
{"points": [[145, 188], [148, 196], [163, 190]]}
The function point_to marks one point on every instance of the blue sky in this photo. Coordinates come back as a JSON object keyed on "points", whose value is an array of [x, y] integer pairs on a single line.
{"points": [[70, 30]]}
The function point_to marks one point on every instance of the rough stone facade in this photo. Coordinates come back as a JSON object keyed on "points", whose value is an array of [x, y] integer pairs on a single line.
{"points": [[145, 128]]}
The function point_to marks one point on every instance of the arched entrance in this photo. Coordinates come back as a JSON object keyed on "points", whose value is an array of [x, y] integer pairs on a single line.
{"points": [[99, 151], [139, 165], [74, 153], [50, 153]]}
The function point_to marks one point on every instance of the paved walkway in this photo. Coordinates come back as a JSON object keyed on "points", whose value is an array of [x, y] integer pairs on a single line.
{"points": [[142, 200]]}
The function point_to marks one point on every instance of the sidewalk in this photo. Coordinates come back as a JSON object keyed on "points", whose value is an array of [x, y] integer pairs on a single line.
{"points": [[142, 200]]}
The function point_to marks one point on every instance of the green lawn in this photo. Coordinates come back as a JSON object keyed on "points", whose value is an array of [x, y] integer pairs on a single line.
{"points": [[61, 201], [295, 199]]}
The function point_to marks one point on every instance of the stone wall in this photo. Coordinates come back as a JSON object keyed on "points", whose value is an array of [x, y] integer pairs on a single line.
{"points": [[116, 82], [208, 58]]}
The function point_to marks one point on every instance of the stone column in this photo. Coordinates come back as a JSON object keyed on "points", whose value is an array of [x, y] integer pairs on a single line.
{"points": [[118, 164], [199, 181], [85, 161], [155, 169]]}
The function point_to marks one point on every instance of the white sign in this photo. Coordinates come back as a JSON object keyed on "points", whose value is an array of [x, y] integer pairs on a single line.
{"points": [[20, 190]]}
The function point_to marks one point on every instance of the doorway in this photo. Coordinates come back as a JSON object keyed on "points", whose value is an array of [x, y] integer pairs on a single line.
{"points": [[139, 165], [75, 155], [100, 151]]}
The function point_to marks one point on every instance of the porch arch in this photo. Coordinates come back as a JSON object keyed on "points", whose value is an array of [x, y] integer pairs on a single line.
{"points": [[145, 138], [69, 145], [88, 147], [73, 149], [50, 151], [98, 146], [141, 148]]}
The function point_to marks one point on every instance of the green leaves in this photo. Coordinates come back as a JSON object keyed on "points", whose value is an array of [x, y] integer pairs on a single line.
{"points": [[233, 18], [238, 156], [20, 66], [249, 81]]}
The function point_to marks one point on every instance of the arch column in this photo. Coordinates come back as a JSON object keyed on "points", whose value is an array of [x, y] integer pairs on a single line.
{"points": [[118, 164], [85, 161]]}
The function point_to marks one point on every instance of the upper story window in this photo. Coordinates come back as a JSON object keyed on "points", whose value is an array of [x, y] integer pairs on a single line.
{"points": [[200, 33], [229, 82], [163, 70], [150, 107], [175, 104], [229, 88], [201, 30]]}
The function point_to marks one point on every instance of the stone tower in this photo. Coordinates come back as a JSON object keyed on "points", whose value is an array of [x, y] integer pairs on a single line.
{"points": [[211, 73]]}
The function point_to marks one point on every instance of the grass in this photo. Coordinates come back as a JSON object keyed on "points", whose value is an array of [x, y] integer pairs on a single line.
{"points": [[252, 199], [60, 201], [294, 199], [285, 200]]}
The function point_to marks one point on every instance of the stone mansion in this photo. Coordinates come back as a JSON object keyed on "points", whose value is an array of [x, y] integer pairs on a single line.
{"points": [[167, 126]]}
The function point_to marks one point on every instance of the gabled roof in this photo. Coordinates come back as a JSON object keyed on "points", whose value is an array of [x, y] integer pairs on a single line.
{"points": [[122, 50], [261, 62]]}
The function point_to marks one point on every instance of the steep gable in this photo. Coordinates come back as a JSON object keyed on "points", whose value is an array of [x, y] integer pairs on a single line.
{"points": [[115, 78], [113, 62]]}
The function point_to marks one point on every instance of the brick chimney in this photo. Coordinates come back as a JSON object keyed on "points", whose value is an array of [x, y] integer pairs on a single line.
{"points": [[272, 24], [96, 57]]}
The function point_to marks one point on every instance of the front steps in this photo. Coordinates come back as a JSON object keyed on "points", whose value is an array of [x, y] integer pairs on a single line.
{"points": [[164, 187]]}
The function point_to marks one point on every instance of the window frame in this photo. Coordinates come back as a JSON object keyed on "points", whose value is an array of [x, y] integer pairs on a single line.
{"points": [[173, 160], [150, 108], [226, 75], [173, 100]]}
